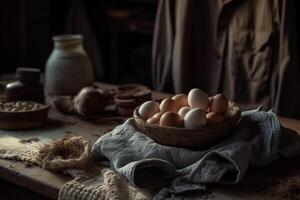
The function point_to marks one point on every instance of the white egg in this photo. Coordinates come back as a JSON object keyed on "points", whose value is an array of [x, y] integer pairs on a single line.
{"points": [[182, 112], [148, 109], [195, 118], [198, 99]]}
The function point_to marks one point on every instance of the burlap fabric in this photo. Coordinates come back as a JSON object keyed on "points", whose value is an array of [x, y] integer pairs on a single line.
{"points": [[71, 156]]}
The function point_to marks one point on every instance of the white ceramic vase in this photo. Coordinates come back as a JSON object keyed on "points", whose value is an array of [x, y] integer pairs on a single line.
{"points": [[68, 68]]}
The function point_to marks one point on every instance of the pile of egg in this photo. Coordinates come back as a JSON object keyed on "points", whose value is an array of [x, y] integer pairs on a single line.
{"points": [[189, 111]]}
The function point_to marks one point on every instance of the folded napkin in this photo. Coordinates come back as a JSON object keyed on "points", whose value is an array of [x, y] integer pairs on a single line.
{"points": [[258, 141]]}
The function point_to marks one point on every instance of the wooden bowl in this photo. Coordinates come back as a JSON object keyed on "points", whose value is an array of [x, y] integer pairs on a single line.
{"points": [[22, 120], [199, 138], [129, 96], [132, 93]]}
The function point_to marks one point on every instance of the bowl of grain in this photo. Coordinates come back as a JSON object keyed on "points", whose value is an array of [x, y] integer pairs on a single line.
{"points": [[21, 115]]}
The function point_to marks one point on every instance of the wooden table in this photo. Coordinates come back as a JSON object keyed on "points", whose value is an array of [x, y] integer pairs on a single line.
{"points": [[47, 183]]}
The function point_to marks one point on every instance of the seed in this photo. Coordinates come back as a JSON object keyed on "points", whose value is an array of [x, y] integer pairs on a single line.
{"points": [[19, 106]]}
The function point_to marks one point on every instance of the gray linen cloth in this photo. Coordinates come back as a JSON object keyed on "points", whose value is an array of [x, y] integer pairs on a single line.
{"points": [[258, 140]]}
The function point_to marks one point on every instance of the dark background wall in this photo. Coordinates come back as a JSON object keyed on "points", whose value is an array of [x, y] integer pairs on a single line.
{"points": [[26, 28], [123, 29]]}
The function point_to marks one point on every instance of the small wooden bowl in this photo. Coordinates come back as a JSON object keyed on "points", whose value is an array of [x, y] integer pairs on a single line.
{"points": [[129, 96], [199, 138], [22, 120]]}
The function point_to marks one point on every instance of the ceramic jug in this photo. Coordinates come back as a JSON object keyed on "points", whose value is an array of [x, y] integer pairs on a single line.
{"points": [[68, 68]]}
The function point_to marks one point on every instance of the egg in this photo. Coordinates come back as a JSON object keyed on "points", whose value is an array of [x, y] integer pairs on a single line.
{"points": [[182, 111], [219, 104], [148, 109], [158, 115], [194, 118], [171, 119], [154, 121], [214, 118], [169, 105], [198, 99], [181, 100]]}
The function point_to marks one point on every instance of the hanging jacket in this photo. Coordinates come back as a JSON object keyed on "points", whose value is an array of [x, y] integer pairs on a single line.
{"points": [[257, 43], [183, 52]]}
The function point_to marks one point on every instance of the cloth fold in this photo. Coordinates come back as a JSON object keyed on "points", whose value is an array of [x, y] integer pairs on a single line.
{"points": [[258, 141]]}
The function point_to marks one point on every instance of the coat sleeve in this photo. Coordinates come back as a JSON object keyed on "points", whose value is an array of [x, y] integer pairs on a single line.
{"points": [[285, 85], [162, 46], [183, 54]]}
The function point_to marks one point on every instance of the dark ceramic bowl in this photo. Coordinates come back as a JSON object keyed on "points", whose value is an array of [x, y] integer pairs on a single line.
{"points": [[21, 120]]}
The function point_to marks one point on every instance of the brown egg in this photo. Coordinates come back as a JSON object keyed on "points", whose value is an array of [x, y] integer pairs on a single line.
{"points": [[158, 115], [169, 105], [171, 119], [183, 111], [219, 104], [181, 100], [154, 121], [214, 118]]}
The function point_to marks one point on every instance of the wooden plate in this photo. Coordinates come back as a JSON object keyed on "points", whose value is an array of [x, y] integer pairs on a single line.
{"points": [[21, 120], [200, 137]]}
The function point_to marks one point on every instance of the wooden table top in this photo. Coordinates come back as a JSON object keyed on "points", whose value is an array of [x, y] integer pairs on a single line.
{"points": [[48, 183]]}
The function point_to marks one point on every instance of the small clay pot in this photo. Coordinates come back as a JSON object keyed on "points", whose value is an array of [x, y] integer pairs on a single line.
{"points": [[27, 87]]}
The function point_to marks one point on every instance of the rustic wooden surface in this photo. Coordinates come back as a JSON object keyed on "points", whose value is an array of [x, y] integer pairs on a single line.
{"points": [[48, 183]]}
